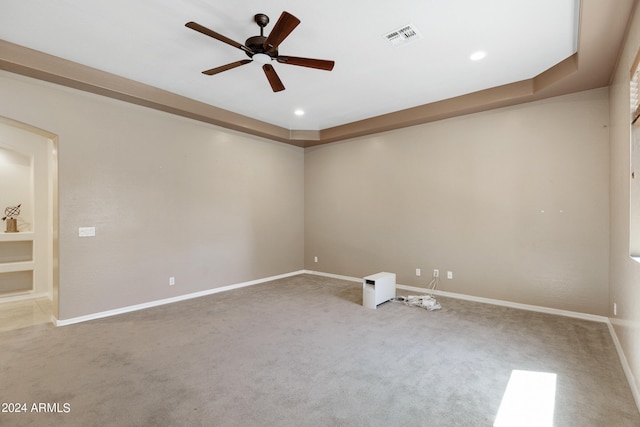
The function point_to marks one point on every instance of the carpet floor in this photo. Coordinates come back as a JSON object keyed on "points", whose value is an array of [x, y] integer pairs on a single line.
{"points": [[303, 351]]}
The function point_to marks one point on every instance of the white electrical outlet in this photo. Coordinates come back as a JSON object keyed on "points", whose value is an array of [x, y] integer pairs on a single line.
{"points": [[436, 273], [615, 309], [418, 272], [172, 281], [315, 259], [449, 274]]}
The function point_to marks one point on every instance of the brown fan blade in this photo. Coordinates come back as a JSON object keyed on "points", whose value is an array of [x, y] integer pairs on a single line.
{"points": [[286, 23], [204, 30], [222, 68], [320, 64], [274, 80]]}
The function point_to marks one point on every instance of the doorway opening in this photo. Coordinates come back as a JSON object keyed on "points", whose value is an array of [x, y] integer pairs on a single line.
{"points": [[28, 243]]}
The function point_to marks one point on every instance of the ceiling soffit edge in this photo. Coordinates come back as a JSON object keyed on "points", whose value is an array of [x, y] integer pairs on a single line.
{"points": [[31, 63], [497, 97]]}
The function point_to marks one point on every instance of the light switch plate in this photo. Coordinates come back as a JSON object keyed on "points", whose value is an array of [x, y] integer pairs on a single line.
{"points": [[86, 231]]}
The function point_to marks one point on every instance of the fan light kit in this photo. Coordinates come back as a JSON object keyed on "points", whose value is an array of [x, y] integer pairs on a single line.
{"points": [[263, 49], [261, 58]]}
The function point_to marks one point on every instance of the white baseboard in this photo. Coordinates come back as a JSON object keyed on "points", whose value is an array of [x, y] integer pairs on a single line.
{"points": [[625, 365], [540, 309], [528, 307], [333, 276], [156, 303]]}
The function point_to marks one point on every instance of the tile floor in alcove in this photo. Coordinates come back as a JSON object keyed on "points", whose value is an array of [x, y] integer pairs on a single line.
{"points": [[21, 314]]}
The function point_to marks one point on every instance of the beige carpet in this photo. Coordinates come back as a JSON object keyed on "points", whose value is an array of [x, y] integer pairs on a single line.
{"points": [[302, 351]]}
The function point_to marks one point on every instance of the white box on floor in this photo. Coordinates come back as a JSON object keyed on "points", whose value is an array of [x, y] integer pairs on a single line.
{"points": [[378, 288]]}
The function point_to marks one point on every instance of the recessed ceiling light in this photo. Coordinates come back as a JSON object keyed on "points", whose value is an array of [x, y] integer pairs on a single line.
{"points": [[299, 112], [477, 56]]}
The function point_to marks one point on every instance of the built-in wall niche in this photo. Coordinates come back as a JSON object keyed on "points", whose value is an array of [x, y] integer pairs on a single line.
{"points": [[16, 282], [28, 178], [16, 248], [16, 183], [16, 251], [16, 263]]}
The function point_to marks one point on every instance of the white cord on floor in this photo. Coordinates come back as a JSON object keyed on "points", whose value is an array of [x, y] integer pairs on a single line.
{"points": [[425, 301]]}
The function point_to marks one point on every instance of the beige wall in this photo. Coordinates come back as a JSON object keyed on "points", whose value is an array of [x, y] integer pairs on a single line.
{"points": [[625, 272], [514, 201], [168, 197]]}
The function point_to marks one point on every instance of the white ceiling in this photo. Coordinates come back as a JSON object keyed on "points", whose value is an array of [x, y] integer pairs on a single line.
{"points": [[146, 41]]}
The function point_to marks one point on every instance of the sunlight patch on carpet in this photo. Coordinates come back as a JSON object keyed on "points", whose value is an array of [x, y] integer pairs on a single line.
{"points": [[529, 400]]}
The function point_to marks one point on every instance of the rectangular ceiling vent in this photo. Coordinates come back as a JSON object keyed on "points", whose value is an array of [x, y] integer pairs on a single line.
{"points": [[403, 35]]}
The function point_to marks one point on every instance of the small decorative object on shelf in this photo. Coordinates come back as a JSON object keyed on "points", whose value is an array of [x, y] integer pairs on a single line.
{"points": [[11, 213]]}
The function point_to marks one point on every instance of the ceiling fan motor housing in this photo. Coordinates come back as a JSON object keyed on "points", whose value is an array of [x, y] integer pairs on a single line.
{"points": [[256, 44], [263, 49]]}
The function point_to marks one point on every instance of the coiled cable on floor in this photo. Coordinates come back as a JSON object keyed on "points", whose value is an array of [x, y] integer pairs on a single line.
{"points": [[423, 301]]}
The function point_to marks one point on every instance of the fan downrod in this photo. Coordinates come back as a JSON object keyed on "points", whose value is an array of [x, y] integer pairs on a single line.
{"points": [[256, 43]]}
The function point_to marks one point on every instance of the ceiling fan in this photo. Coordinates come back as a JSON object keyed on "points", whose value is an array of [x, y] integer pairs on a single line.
{"points": [[264, 49]]}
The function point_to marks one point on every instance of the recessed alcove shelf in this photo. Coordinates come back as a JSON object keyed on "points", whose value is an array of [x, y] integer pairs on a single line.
{"points": [[16, 237], [16, 262]]}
